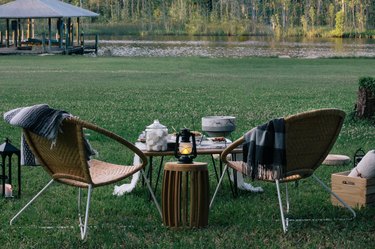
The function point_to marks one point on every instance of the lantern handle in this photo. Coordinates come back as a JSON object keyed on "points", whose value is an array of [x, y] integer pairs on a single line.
{"points": [[176, 146], [194, 146]]}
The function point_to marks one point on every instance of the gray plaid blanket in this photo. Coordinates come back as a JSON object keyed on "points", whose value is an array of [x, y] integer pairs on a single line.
{"points": [[41, 120], [265, 150]]}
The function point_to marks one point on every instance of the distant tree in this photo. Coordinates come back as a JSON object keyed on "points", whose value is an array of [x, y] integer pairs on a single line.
{"points": [[305, 26], [331, 15], [253, 15], [340, 24], [312, 16]]}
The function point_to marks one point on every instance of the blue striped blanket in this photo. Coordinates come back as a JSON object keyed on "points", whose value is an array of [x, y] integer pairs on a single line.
{"points": [[265, 155]]}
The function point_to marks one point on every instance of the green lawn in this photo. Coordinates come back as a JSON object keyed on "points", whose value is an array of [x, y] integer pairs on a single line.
{"points": [[126, 94]]}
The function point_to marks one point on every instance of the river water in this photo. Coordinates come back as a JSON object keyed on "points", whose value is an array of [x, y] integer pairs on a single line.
{"points": [[246, 46]]}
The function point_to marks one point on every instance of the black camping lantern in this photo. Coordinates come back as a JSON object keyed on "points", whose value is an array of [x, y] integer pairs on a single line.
{"points": [[7, 150], [185, 150]]}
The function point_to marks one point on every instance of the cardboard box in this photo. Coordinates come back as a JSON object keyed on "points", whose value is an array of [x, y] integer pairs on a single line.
{"points": [[355, 191]]}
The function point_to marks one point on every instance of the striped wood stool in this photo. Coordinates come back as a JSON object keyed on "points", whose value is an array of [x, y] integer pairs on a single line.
{"points": [[185, 191]]}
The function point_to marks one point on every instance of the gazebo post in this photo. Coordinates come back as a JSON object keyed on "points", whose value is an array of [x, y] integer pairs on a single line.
{"points": [[14, 35], [72, 32], [66, 39], [77, 32], [32, 28], [22, 30], [28, 28], [68, 31], [19, 32], [49, 34], [7, 33], [59, 27]]}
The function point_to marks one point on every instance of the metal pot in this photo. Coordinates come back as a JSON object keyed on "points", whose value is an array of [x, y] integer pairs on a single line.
{"points": [[218, 126]]}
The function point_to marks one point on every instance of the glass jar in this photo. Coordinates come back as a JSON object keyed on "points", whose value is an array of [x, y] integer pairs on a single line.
{"points": [[156, 137]]}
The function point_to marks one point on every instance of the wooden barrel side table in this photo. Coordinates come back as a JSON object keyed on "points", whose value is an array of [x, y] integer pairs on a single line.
{"points": [[185, 195]]}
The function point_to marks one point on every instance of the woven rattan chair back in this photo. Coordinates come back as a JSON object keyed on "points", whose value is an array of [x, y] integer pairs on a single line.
{"points": [[309, 137], [65, 160]]}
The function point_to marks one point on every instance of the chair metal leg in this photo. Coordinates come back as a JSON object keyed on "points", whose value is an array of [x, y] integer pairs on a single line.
{"points": [[287, 198], [31, 201], [283, 222], [151, 192], [235, 182], [218, 186], [83, 226], [337, 197]]}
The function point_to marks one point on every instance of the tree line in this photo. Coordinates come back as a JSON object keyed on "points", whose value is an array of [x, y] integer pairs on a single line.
{"points": [[280, 17]]}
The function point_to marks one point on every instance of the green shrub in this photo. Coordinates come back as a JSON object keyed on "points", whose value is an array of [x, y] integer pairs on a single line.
{"points": [[367, 83]]}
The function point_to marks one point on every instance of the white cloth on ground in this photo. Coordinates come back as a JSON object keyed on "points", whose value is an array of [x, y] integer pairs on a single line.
{"points": [[128, 187], [241, 184]]}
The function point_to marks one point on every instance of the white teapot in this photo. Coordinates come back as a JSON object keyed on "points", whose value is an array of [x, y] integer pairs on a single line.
{"points": [[156, 137]]}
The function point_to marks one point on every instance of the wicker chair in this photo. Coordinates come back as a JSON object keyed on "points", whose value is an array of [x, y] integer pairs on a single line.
{"points": [[67, 163], [309, 137]]}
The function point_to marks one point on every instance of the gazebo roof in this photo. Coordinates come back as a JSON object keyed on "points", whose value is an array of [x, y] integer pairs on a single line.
{"points": [[42, 9]]}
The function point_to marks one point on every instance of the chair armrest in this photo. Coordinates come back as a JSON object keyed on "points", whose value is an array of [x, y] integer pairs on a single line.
{"points": [[230, 148], [113, 136]]}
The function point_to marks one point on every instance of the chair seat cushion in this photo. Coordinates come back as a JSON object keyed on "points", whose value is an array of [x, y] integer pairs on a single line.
{"points": [[103, 173]]}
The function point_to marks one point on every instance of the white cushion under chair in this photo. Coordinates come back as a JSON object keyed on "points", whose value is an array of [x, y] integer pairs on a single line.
{"points": [[366, 167]]}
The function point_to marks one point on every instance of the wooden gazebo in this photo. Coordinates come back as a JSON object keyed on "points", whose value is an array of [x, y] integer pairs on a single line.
{"points": [[15, 13]]}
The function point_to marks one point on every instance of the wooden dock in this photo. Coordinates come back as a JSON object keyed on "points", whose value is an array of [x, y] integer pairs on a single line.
{"points": [[35, 48]]}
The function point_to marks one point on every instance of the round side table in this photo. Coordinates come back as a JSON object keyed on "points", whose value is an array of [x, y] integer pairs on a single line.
{"points": [[185, 195]]}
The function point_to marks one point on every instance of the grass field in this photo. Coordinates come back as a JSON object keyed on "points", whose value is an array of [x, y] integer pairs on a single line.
{"points": [[126, 94]]}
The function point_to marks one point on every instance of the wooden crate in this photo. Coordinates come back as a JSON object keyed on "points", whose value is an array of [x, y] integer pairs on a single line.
{"points": [[355, 191]]}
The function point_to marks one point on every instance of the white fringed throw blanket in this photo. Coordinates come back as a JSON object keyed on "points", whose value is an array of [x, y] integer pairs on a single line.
{"points": [[42, 120], [266, 150]]}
